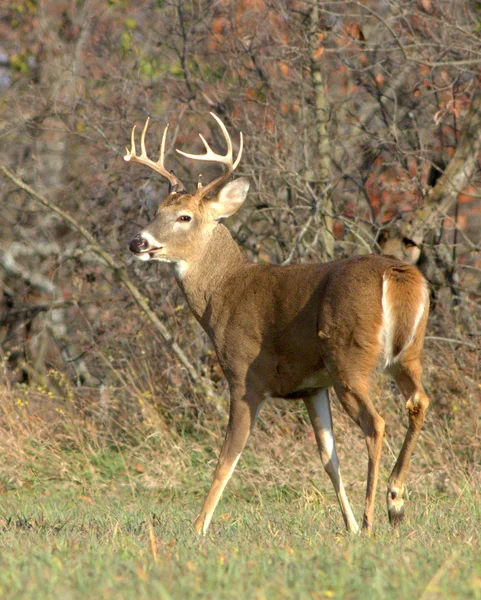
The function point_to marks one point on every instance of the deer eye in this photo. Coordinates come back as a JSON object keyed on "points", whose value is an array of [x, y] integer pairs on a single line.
{"points": [[184, 218]]}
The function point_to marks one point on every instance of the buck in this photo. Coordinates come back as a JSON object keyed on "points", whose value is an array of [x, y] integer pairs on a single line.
{"points": [[291, 331]]}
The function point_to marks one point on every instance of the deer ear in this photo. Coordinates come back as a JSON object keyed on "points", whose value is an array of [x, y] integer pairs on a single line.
{"points": [[230, 198]]}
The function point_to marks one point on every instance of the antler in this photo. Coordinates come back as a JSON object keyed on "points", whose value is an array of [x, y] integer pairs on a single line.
{"points": [[143, 159], [210, 155]]}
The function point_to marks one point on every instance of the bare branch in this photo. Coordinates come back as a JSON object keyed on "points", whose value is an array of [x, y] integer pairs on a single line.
{"points": [[119, 271]]}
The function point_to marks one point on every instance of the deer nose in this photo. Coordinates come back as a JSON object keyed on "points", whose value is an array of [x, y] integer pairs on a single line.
{"points": [[138, 244]]}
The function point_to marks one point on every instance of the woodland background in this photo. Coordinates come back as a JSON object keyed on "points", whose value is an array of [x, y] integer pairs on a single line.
{"points": [[362, 133]]}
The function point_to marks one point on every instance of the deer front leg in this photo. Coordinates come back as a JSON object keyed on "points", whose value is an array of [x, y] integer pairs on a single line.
{"points": [[242, 417]]}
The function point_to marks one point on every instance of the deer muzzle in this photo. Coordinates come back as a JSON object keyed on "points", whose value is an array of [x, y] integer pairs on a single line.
{"points": [[138, 244]]}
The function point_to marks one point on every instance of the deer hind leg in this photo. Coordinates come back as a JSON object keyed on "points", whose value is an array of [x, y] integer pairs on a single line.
{"points": [[242, 417], [408, 377], [319, 410], [354, 396]]}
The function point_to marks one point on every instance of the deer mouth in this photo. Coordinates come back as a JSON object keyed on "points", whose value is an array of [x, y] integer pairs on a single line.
{"points": [[151, 250], [149, 254]]}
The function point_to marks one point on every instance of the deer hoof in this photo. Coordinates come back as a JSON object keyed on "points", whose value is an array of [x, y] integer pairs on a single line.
{"points": [[199, 525], [395, 507]]}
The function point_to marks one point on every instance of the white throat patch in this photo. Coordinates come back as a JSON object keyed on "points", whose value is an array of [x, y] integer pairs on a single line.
{"points": [[181, 268], [143, 257]]}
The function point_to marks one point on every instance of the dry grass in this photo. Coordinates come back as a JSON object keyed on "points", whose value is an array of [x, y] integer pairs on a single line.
{"points": [[162, 428], [94, 478]]}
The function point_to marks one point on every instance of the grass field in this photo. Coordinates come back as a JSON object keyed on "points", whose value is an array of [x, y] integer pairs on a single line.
{"points": [[98, 496], [121, 543], [84, 521]]}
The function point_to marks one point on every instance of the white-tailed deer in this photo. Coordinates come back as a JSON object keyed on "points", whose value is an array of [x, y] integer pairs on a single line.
{"points": [[291, 332]]}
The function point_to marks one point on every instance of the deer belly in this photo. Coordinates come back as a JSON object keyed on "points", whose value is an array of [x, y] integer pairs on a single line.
{"points": [[315, 382]]}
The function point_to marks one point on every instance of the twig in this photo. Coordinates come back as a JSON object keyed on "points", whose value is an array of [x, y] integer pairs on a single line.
{"points": [[435, 338], [36, 309]]}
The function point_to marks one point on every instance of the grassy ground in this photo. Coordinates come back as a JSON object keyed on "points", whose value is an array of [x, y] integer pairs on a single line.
{"points": [[93, 525], [98, 496]]}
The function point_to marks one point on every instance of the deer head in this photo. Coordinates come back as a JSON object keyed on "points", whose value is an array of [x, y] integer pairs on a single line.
{"points": [[184, 222]]}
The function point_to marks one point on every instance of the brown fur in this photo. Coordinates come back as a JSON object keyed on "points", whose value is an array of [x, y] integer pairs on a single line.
{"points": [[274, 327], [293, 331]]}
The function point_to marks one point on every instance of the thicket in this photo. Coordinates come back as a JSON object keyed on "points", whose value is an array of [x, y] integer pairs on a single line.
{"points": [[362, 134]]}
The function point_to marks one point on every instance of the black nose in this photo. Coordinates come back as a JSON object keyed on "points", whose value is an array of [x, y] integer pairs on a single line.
{"points": [[138, 244]]}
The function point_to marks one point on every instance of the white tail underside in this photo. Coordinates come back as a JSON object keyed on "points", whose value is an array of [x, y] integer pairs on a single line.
{"points": [[389, 324]]}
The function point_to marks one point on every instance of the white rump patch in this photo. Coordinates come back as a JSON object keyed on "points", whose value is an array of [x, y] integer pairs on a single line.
{"points": [[387, 327], [417, 320], [389, 324]]}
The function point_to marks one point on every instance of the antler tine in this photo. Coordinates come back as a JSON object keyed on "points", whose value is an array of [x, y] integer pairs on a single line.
{"points": [[229, 142], [132, 150], [239, 154], [143, 159], [162, 145], [211, 156], [143, 152]]}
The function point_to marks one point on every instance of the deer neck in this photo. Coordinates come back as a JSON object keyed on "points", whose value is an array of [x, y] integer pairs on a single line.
{"points": [[203, 280]]}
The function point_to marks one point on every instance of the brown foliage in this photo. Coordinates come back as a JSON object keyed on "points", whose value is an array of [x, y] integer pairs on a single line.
{"points": [[75, 76]]}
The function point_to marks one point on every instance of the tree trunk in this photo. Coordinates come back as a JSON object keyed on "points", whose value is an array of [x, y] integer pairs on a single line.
{"points": [[322, 163]]}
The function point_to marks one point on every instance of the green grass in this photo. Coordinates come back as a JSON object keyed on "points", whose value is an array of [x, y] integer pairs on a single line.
{"points": [[78, 526]]}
